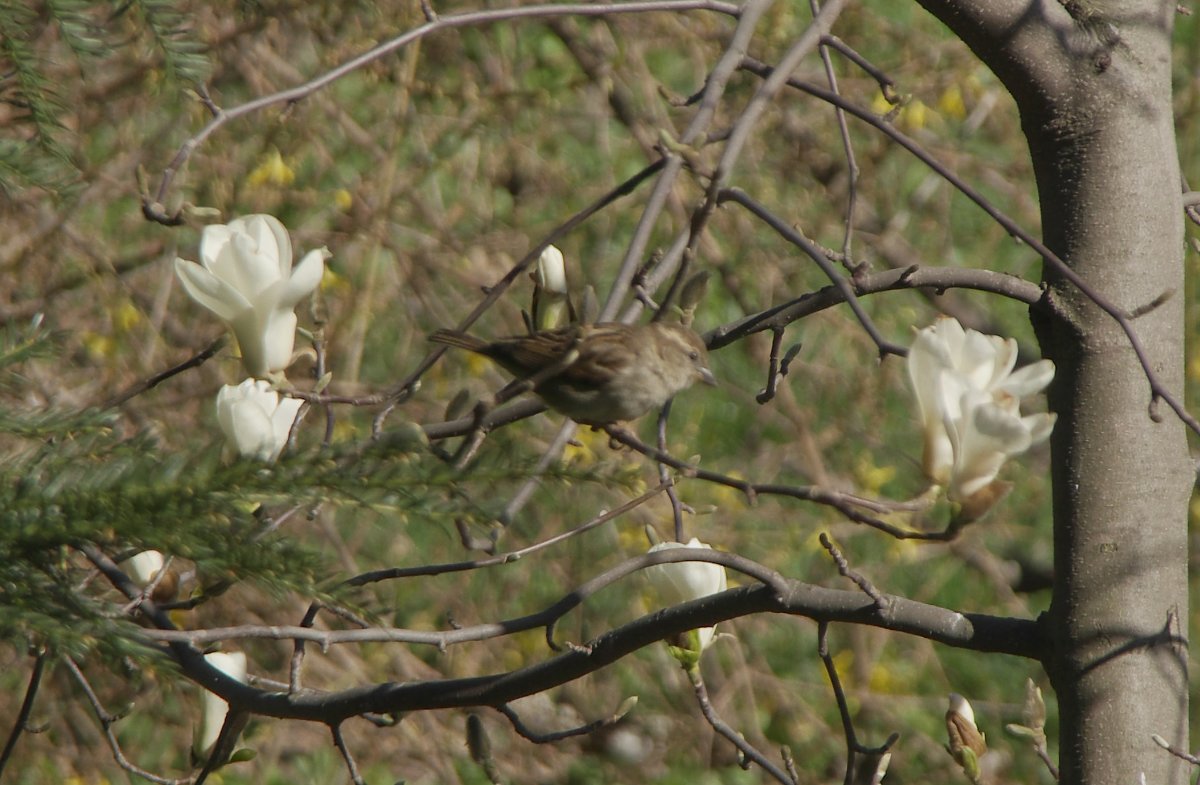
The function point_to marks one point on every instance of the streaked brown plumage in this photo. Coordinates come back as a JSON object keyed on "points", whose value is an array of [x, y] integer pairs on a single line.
{"points": [[622, 371]]}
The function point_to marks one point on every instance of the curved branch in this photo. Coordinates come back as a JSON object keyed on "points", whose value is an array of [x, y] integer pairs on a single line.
{"points": [[847, 504], [19, 726], [154, 210], [938, 278], [978, 632]]}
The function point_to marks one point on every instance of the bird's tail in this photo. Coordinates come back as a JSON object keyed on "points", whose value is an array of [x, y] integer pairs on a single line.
{"points": [[459, 339]]}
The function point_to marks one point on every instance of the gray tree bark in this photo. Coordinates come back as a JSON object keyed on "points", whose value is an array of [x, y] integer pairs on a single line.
{"points": [[1092, 81]]}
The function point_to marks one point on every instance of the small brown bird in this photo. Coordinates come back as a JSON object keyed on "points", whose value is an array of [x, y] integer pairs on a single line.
{"points": [[621, 372]]}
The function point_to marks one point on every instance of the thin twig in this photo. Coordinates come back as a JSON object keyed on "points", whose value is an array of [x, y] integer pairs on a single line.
{"points": [[393, 573], [107, 720], [854, 750], [549, 738], [463, 634], [739, 196], [35, 680], [664, 474], [748, 750], [714, 87], [773, 374], [938, 278], [565, 433], [351, 766], [848, 505], [845, 571], [194, 361], [852, 172]]}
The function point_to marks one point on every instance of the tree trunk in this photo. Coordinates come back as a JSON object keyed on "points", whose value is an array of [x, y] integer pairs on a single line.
{"points": [[1094, 91]]}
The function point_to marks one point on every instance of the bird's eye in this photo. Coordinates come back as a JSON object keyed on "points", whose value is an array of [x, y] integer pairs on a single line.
{"points": [[693, 355]]}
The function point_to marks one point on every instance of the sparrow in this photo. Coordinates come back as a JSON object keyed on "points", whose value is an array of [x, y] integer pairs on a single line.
{"points": [[610, 372]]}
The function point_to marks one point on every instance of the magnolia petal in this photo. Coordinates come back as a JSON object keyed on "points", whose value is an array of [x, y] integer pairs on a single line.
{"points": [[1031, 379], [987, 434], [551, 270], [1040, 425], [209, 290], [304, 279], [927, 359], [250, 343], [938, 458], [272, 239], [949, 390], [1000, 427], [278, 339], [678, 582], [252, 433], [950, 333], [213, 241], [215, 707], [256, 268], [281, 424], [976, 472], [979, 357], [145, 565]]}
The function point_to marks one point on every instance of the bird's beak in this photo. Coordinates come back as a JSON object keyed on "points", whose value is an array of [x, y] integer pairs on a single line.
{"points": [[707, 377]]}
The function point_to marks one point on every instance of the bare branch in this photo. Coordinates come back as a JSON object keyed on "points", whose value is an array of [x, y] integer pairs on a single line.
{"points": [[845, 571], [714, 88], [19, 725], [194, 361], [548, 738], [107, 720], [1158, 390], [351, 766], [153, 208], [856, 753], [939, 278], [848, 505], [747, 750]]}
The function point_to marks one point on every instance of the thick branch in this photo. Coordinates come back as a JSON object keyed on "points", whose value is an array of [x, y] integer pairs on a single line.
{"points": [[1018, 637]]}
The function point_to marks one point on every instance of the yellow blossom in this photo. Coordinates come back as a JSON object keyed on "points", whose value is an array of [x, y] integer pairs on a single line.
{"points": [[98, 346], [272, 171], [915, 115], [951, 103], [1194, 368], [126, 317], [871, 477], [881, 679]]}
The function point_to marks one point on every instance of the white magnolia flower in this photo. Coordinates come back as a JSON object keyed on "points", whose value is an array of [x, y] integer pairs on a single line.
{"points": [[968, 397], [215, 708], [551, 304], [984, 436], [245, 277], [145, 565], [255, 420], [677, 582]]}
